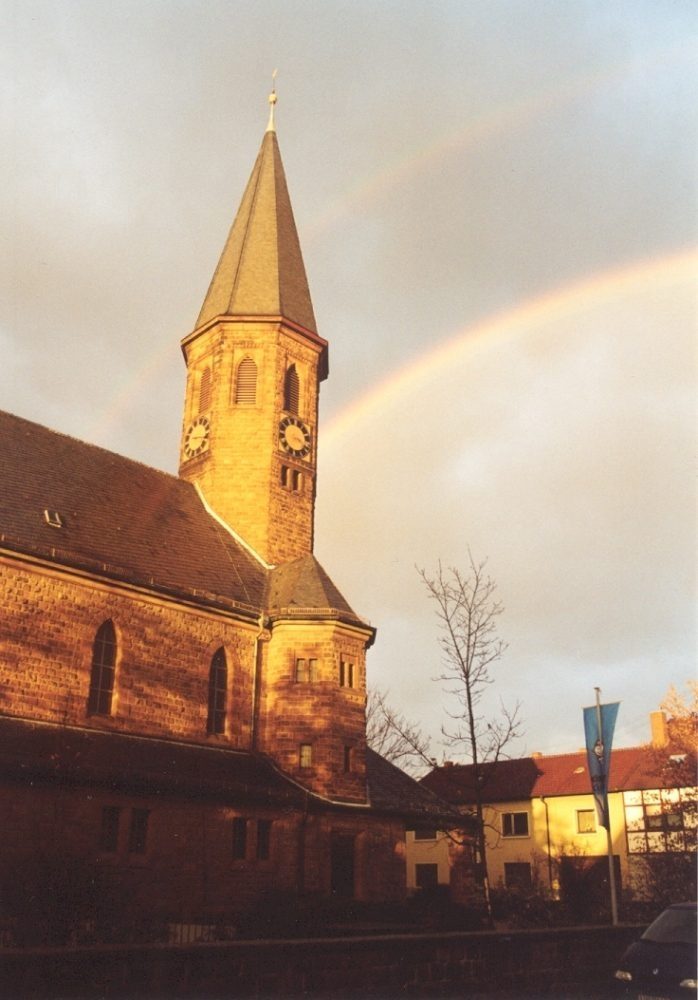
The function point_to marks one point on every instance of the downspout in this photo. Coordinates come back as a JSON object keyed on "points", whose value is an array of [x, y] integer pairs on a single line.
{"points": [[547, 835], [256, 682]]}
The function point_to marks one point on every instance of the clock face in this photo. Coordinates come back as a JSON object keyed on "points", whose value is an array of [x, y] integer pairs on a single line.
{"points": [[294, 437], [196, 438]]}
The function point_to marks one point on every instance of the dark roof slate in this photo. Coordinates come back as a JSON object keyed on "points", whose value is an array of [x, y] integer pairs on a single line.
{"points": [[632, 768], [303, 584], [121, 762], [261, 270], [391, 790], [133, 523]]}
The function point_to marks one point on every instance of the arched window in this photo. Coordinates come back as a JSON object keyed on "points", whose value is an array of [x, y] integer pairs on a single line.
{"points": [[205, 390], [246, 383], [103, 666], [217, 693], [291, 390]]}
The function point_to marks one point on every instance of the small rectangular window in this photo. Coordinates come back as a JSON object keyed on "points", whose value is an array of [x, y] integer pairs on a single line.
{"points": [[296, 481], [305, 755], [425, 833], [515, 824], [312, 670], [517, 875], [109, 832], [301, 671], [263, 839], [426, 876], [138, 833], [586, 821], [239, 838], [347, 759], [284, 475], [346, 674]]}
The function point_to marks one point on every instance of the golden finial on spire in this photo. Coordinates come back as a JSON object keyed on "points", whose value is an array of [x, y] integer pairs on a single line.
{"points": [[272, 101]]}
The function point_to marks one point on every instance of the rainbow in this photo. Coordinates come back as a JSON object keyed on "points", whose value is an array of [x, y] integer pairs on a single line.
{"points": [[509, 116], [675, 268]]}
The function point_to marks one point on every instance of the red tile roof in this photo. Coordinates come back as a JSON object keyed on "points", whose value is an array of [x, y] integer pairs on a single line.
{"points": [[533, 777]]}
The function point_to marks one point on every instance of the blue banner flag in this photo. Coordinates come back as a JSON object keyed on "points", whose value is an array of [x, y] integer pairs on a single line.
{"points": [[598, 745]]}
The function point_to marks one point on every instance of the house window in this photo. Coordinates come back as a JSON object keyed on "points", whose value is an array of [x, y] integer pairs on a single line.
{"points": [[102, 676], [284, 475], [346, 674], [239, 838], [347, 759], [306, 670], [586, 821], [109, 832], [205, 390], [425, 833], [291, 390], [426, 876], [517, 875], [263, 839], [217, 693], [305, 755], [138, 832], [515, 824], [296, 481], [660, 820], [246, 383]]}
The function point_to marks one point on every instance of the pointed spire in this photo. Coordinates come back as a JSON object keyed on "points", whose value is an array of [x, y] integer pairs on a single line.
{"points": [[261, 271]]}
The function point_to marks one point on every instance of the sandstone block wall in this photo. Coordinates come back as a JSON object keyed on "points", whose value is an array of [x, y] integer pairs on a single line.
{"points": [[47, 631]]}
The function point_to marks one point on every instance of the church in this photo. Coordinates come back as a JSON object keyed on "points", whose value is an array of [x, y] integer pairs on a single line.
{"points": [[183, 687]]}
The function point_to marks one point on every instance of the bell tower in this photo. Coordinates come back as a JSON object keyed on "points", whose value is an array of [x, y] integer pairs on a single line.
{"points": [[254, 366]]}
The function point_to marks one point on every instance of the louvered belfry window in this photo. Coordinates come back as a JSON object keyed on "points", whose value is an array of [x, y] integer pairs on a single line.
{"points": [[246, 383], [291, 390], [205, 391], [102, 675], [217, 693]]}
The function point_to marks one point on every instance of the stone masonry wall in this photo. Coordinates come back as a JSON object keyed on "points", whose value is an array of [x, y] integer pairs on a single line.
{"points": [[318, 711], [555, 963], [240, 471], [47, 631]]}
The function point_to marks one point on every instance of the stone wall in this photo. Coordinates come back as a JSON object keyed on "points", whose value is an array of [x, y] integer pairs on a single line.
{"points": [[538, 963], [164, 651]]}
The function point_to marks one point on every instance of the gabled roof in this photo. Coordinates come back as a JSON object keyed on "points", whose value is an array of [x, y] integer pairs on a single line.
{"points": [[125, 521], [632, 768], [261, 271]]}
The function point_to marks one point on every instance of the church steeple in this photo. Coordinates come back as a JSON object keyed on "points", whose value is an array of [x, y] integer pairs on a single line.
{"points": [[261, 271], [254, 364]]}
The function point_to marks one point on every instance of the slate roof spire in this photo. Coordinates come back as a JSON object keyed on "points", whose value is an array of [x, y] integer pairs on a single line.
{"points": [[261, 272]]}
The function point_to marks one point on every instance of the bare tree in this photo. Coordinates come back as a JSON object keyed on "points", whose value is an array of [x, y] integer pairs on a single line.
{"points": [[394, 736], [467, 610]]}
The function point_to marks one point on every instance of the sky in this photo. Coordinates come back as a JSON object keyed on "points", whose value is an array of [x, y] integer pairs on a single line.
{"points": [[496, 203]]}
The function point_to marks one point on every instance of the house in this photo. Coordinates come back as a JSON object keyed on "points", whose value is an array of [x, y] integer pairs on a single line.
{"points": [[542, 827], [182, 686]]}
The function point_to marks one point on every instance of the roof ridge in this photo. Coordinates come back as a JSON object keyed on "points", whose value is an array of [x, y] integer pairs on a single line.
{"points": [[94, 447]]}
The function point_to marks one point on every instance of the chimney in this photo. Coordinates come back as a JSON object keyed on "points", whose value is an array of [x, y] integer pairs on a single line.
{"points": [[659, 730]]}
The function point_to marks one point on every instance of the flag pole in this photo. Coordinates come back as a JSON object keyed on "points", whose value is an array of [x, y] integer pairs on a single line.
{"points": [[609, 841]]}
